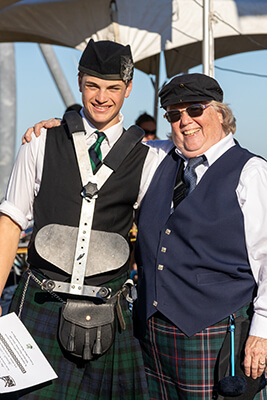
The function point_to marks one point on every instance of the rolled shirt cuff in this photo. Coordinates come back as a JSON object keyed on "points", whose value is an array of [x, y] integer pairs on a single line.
{"points": [[15, 214]]}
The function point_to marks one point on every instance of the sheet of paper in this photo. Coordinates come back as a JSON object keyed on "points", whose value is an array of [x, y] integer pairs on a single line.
{"points": [[22, 364]]}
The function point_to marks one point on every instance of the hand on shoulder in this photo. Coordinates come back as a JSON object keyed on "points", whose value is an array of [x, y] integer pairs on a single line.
{"points": [[36, 129]]}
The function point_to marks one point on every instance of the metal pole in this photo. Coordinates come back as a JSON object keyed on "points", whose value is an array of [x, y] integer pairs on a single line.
{"points": [[205, 42], [208, 41], [7, 113], [211, 41], [156, 87], [57, 73], [114, 19]]}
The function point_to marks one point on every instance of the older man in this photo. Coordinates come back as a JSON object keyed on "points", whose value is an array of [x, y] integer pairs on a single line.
{"points": [[201, 251]]}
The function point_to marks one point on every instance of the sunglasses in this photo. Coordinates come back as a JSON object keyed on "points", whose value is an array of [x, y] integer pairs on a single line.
{"points": [[195, 110], [148, 132]]}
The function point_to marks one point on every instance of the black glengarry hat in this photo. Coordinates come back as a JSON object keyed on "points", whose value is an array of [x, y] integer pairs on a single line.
{"points": [[190, 88], [107, 60]]}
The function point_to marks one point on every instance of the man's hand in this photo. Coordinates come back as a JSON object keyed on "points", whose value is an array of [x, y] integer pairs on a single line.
{"points": [[255, 356], [36, 129]]}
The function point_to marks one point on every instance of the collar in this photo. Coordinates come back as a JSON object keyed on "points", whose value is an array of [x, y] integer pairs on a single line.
{"points": [[112, 134], [215, 151]]}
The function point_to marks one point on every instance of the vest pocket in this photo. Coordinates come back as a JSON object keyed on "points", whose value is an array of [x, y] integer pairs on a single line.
{"points": [[213, 278]]}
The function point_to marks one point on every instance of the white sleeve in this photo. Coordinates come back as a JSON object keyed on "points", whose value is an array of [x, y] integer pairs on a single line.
{"points": [[158, 149], [252, 197], [24, 181]]}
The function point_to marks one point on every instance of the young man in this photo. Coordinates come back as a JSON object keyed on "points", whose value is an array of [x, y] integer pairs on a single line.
{"points": [[46, 186]]}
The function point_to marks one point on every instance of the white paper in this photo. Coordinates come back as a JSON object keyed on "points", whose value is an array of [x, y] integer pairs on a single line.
{"points": [[22, 364]]}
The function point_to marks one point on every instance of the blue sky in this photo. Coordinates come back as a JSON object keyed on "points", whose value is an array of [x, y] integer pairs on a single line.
{"points": [[38, 98]]}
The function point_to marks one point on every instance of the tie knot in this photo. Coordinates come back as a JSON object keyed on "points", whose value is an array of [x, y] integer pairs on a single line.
{"points": [[100, 136], [195, 162]]}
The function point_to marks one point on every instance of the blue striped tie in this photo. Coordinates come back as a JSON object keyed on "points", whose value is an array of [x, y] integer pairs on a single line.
{"points": [[190, 176]]}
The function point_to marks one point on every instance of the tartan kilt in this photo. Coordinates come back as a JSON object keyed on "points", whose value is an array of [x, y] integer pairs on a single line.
{"points": [[118, 374], [178, 367]]}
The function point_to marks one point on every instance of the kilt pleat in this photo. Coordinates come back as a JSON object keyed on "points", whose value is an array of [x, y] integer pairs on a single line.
{"points": [[117, 375], [178, 367]]}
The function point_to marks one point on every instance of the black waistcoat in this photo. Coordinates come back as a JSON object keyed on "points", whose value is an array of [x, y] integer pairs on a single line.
{"points": [[59, 199]]}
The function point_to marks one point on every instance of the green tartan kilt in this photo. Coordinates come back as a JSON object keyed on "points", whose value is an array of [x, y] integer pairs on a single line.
{"points": [[118, 374]]}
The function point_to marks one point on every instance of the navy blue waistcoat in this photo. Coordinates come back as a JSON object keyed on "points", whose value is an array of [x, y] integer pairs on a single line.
{"points": [[193, 264]]}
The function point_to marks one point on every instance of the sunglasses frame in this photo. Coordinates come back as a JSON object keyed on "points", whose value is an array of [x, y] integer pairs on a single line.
{"points": [[179, 113]]}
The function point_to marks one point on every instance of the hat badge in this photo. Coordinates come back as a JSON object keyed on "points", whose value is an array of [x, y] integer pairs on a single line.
{"points": [[127, 67]]}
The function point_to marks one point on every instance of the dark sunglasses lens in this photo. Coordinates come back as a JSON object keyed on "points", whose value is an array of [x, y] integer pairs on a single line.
{"points": [[173, 116], [195, 110], [148, 132]]}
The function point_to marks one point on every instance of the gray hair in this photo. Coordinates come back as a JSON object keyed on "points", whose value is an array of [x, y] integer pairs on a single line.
{"points": [[229, 121]]}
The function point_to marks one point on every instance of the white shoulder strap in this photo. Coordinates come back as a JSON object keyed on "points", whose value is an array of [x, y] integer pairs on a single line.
{"points": [[92, 184]]}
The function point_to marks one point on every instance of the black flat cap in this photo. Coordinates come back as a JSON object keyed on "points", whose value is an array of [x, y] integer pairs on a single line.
{"points": [[107, 60], [190, 88]]}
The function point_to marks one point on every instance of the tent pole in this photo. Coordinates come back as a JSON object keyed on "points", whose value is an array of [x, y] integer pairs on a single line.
{"points": [[208, 40], [57, 74], [114, 19], [211, 41], [156, 87], [7, 113]]}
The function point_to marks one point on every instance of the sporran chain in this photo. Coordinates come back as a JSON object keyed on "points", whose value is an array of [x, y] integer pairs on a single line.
{"points": [[31, 275]]}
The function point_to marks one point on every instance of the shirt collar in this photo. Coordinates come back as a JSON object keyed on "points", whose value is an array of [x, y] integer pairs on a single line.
{"points": [[112, 133], [215, 151]]}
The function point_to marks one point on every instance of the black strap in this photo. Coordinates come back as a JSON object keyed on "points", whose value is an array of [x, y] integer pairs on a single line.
{"points": [[74, 122], [121, 148]]}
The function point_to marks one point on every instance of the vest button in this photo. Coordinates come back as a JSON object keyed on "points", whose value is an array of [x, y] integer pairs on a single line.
{"points": [[155, 303], [160, 267], [163, 249]]}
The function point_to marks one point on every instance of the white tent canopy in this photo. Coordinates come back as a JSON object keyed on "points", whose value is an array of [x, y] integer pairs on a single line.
{"points": [[175, 27], [73, 22], [238, 26]]}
